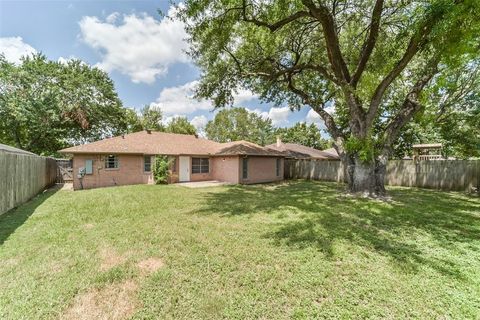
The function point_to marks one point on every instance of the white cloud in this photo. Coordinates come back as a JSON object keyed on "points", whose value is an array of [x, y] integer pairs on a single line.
{"points": [[14, 48], [279, 116], [112, 18], [136, 45], [313, 117], [243, 96], [330, 107], [64, 60], [199, 122], [180, 100]]}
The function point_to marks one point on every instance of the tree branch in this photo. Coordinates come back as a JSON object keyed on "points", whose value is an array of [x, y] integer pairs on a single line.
{"points": [[327, 118], [415, 44], [322, 14], [410, 106], [370, 42], [272, 26]]}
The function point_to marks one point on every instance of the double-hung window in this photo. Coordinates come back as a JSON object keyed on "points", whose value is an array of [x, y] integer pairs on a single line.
{"points": [[111, 161], [200, 165], [245, 168], [147, 163]]}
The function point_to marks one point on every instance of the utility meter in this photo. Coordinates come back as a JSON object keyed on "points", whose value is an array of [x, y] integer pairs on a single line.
{"points": [[81, 172]]}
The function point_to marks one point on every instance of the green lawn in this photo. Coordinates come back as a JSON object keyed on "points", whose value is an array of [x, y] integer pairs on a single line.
{"points": [[298, 250]]}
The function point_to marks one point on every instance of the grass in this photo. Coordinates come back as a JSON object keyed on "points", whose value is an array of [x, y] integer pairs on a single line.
{"points": [[295, 250]]}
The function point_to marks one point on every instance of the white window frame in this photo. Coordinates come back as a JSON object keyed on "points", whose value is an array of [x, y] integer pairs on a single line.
{"points": [[201, 166], [245, 168], [116, 162], [144, 163]]}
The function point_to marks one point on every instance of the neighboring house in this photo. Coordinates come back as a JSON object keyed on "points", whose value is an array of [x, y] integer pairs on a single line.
{"points": [[128, 159], [298, 151]]}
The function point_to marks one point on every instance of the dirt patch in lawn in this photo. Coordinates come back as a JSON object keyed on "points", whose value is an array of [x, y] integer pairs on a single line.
{"points": [[150, 265], [115, 301], [89, 226], [110, 258]]}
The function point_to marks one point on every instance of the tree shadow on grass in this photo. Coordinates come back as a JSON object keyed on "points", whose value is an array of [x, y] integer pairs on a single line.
{"points": [[14, 218], [411, 230]]}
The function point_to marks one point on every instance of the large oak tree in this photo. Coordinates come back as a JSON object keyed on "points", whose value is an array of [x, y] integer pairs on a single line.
{"points": [[372, 60]]}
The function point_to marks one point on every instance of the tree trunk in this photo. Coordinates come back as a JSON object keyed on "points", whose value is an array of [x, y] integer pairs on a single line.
{"points": [[365, 178]]}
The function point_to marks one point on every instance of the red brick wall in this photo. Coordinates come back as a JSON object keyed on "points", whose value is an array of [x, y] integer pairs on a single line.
{"points": [[130, 171], [261, 169], [226, 169]]}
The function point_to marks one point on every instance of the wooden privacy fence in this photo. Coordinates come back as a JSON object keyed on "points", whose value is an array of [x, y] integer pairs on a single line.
{"points": [[457, 175], [22, 176]]}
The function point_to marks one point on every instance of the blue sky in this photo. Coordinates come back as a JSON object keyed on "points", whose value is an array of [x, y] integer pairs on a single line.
{"points": [[141, 51]]}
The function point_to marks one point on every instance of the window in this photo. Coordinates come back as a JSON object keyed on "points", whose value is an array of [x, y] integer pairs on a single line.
{"points": [[147, 163], [111, 162], [200, 165], [88, 166], [174, 164], [245, 168], [277, 167]]}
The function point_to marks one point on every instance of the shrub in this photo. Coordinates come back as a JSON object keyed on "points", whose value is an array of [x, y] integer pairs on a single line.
{"points": [[160, 169]]}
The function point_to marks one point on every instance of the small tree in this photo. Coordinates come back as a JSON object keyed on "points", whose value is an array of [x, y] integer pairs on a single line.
{"points": [[180, 125], [239, 124], [160, 169]]}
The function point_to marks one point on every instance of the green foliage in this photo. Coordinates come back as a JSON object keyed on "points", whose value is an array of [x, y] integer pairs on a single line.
{"points": [[301, 133], [363, 148], [161, 168], [148, 118], [180, 125], [151, 118], [239, 124], [46, 105], [451, 115], [295, 62]]}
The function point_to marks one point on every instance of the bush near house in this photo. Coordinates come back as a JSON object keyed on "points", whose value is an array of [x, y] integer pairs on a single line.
{"points": [[161, 169]]}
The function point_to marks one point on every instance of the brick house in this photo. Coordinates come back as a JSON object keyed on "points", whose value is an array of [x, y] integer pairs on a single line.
{"points": [[128, 159]]}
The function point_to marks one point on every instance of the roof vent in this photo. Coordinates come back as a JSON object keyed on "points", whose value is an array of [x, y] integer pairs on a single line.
{"points": [[196, 135], [123, 136], [279, 141], [149, 131]]}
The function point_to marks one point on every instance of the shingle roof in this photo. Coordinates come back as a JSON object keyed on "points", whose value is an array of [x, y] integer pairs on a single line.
{"points": [[302, 152], [144, 142], [155, 142], [243, 147]]}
